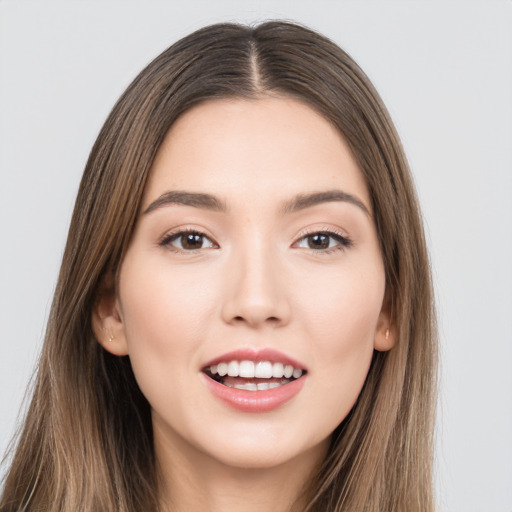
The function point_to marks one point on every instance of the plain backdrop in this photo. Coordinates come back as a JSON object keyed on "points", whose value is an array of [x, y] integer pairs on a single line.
{"points": [[444, 69]]}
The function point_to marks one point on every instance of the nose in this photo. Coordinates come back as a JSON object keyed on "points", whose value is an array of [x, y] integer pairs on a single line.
{"points": [[257, 293]]}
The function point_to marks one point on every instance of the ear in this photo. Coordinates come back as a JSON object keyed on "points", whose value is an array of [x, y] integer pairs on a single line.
{"points": [[107, 322], [385, 333]]}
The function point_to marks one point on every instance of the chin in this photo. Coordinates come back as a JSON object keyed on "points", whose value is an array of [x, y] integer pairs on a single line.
{"points": [[268, 453]]}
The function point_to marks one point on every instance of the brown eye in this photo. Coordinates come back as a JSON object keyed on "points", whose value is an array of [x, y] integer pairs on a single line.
{"points": [[188, 241], [192, 241], [318, 241], [323, 241]]}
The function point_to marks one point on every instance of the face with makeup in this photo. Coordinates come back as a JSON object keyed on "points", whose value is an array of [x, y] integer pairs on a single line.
{"points": [[250, 299]]}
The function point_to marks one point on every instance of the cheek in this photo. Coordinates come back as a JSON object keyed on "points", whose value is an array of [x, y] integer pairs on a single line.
{"points": [[340, 320], [164, 313], [343, 305], [162, 301]]}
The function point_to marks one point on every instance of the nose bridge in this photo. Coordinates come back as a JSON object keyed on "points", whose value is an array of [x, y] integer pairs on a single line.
{"points": [[256, 293]]}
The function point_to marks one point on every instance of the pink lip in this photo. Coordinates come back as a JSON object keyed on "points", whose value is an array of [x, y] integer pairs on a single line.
{"points": [[265, 354], [255, 401]]}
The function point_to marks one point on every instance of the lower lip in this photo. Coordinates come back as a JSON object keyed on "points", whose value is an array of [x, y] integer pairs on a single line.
{"points": [[255, 401]]}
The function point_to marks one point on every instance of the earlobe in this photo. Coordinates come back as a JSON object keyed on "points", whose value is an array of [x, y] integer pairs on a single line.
{"points": [[385, 333], [385, 337], [107, 323]]}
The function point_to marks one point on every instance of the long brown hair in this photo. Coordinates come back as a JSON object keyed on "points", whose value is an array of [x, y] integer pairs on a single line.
{"points": [[86, 443]]}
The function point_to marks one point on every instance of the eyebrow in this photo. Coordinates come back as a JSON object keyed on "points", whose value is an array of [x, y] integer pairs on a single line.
{"points": [[195, 199], [303, 201], [212, 203]]}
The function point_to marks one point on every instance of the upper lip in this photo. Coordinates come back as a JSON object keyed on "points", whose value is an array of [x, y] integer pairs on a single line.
{"points": [[255, 355]]}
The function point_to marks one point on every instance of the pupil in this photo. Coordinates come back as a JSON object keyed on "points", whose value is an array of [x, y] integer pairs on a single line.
{"points": [[192, 241], [318, 241]]}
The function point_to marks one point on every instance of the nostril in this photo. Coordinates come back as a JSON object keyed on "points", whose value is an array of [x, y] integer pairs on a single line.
{"points": [[271, 319]]}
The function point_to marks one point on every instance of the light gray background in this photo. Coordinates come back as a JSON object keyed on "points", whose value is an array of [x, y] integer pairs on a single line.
{"points": [[444, 70]]}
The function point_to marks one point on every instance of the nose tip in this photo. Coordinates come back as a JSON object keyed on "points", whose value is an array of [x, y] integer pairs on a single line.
{"points": [[256, 297]]}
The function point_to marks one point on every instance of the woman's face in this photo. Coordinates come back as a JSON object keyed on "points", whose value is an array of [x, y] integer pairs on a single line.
{"points": [[255, 254]]}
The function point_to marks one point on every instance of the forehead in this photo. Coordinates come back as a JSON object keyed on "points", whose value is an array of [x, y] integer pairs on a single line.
{"points": [[271, 146]]}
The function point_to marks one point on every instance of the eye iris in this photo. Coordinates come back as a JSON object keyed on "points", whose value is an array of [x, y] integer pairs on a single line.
{"points": [[318, 241], [192, 241]]}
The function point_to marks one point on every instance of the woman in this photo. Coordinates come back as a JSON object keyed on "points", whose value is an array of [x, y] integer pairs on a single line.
{"points": [[243, 318]]}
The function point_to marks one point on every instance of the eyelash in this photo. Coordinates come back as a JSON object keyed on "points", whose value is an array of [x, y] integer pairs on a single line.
{"points": [[171, 237], [342, 241]]}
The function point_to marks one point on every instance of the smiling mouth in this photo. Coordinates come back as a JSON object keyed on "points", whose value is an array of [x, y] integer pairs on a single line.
{"points": [[253, 376]]}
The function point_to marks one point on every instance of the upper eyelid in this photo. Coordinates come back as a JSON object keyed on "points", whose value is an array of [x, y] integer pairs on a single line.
{"points": [[186, 229], [315, 230]]}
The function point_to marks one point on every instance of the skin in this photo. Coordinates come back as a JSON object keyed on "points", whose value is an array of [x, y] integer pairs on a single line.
{"points": [[255, 282]]}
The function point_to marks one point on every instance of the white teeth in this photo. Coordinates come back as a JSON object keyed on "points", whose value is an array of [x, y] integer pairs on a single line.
{"points": [[261, 386], [246, 369], [250, 386], [233, 368], [277, 370], [260, 370], [263, 370]]}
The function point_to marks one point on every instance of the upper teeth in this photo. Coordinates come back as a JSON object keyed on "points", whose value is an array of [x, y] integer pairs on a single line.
{"points": [[259, 370]]}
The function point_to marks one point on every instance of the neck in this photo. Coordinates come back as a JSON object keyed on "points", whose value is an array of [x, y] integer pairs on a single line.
{"points": [[191, 481]]}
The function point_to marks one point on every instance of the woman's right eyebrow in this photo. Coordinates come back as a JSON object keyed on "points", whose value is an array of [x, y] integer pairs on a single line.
{"points": [[195, 199]]}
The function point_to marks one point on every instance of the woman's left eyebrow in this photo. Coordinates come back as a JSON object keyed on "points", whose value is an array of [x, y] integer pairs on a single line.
{"points": [[302, 201]]}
